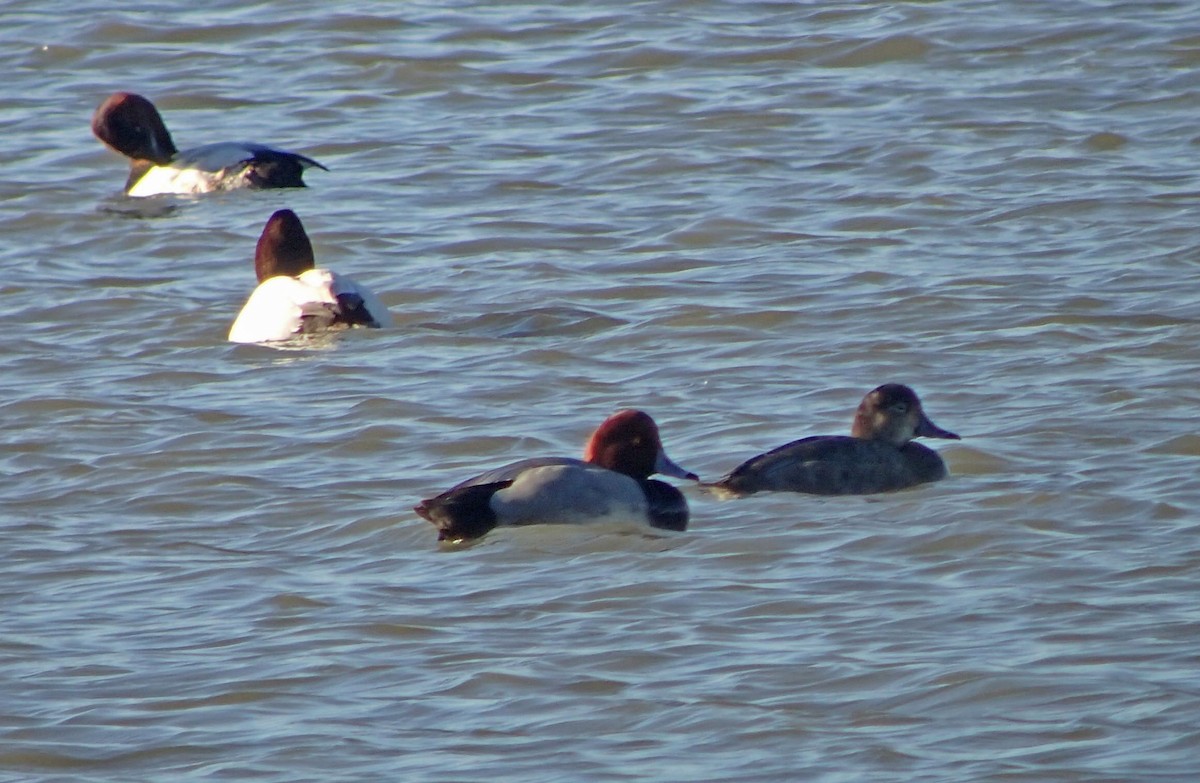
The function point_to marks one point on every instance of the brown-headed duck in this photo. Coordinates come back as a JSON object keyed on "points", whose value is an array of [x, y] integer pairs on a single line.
{"points": [[129, 124], [879, 455], [295, 297], [611, 483]]}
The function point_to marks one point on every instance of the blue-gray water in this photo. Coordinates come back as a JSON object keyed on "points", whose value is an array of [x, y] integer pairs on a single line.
{"points": [[739, 217]]}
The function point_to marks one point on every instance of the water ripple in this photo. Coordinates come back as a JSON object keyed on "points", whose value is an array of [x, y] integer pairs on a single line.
{"points": [[739, 217]]}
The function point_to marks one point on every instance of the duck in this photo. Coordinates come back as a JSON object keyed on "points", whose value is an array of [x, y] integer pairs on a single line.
{"points": [[130, 124], [296, 297], [610, 483], [879, 455]]}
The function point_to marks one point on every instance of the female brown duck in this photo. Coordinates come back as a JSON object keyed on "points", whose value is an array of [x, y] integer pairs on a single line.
{"points": [[877, 456]]}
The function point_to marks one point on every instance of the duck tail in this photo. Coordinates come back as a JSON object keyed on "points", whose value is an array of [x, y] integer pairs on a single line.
{"points": [[727, 487], [352, 311], [463, 513]]}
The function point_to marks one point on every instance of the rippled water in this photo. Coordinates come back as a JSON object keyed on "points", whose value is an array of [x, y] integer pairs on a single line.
{"points": [[737, 216]]}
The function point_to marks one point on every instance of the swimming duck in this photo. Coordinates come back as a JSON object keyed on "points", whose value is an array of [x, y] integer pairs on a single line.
{"points": [[129, 124], [877, 456], [611, 483], [296, 297]]}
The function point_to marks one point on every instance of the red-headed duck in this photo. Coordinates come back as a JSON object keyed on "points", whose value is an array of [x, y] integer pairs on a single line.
{"points": [[129, 124], [877, 456], [611, 483], [294, 296]]}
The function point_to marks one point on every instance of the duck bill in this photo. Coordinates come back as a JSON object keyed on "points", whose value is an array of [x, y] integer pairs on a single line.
{"points": [[665, 467], [927, 429]]}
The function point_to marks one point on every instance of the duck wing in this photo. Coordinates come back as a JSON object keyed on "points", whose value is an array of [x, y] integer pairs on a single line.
{"points": [[832, 465]]}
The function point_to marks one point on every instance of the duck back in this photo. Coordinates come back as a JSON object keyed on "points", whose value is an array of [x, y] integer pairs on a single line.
{"points": [[569, 494], [835, 465]]}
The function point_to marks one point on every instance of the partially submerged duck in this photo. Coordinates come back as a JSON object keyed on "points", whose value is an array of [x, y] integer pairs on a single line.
{"points": [[611, 483], [295, 297], [130, 124], [879, 455]]}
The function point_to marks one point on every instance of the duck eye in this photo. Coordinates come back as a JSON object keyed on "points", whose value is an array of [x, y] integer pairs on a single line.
{"points": [[900, 407]]}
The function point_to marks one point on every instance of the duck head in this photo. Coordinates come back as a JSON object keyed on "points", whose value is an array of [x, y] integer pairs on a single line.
{"points": [[129, 124], [628, 442], [893, 413], [283, 248]]}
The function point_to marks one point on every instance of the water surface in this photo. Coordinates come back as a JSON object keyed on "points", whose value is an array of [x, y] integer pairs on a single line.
{"points": [[739, 217]]}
